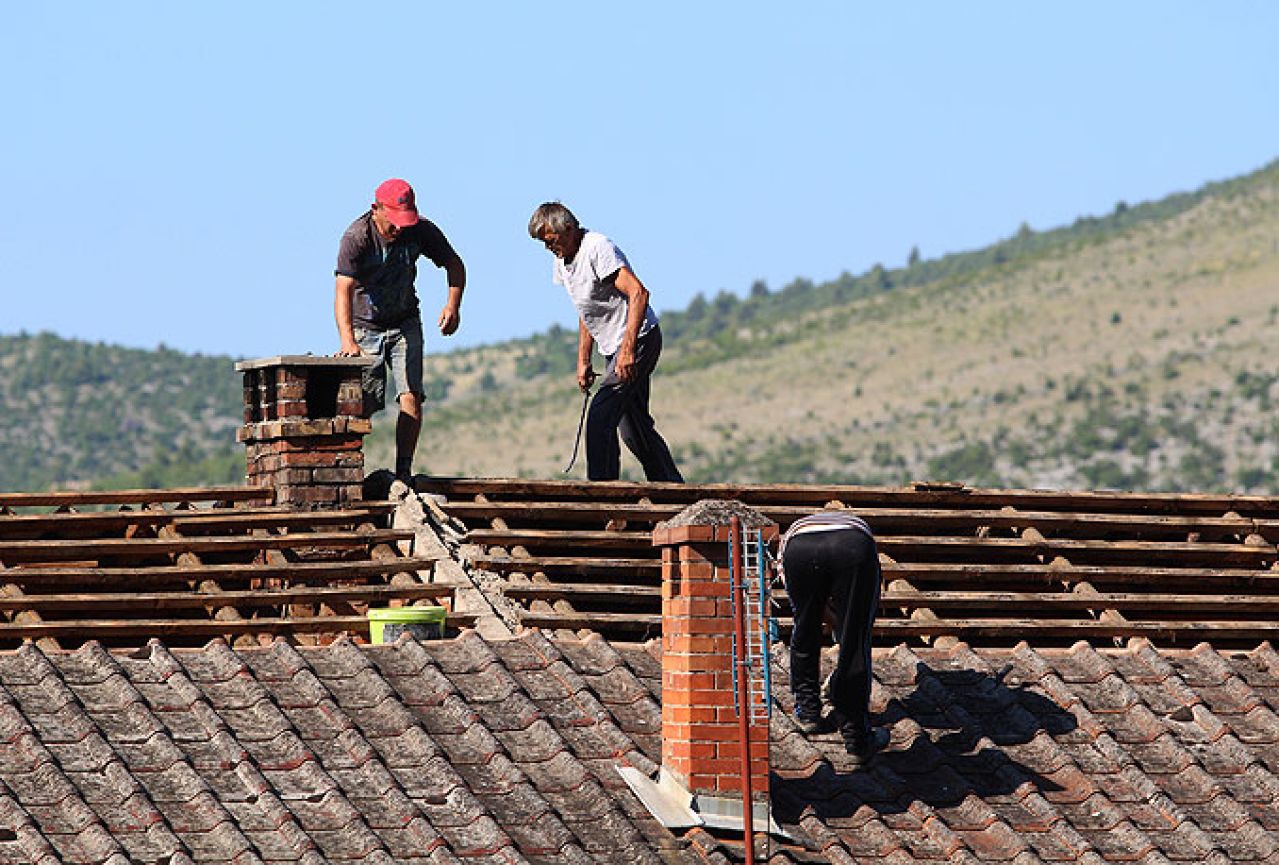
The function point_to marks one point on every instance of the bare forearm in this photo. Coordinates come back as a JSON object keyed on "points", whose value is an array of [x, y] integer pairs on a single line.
{"points": [[342, 302], [636, 309], [585, 345], [456, 272]]}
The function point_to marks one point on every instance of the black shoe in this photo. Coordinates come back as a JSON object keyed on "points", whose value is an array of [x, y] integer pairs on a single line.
{"points": [[810, 723], [861, 747], [808, 716]]}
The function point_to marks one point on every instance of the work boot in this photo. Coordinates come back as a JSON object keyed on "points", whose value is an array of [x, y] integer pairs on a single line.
{"points": [[861, 746], [808, 715]]}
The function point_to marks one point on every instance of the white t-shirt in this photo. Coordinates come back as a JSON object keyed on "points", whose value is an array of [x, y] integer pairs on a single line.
{"points": [[591, 282]]}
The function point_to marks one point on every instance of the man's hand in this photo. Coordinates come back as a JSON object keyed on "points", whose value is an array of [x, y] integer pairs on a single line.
{"points": [[585, 376], [350, 348], [450, 318], [624, 363]]}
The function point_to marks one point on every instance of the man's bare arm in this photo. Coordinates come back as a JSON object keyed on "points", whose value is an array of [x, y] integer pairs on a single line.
{"points": [[585, 345], [451, 315], [343, 300], [636, 306]]}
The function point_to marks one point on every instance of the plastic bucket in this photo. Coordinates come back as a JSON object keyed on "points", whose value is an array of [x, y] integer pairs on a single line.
{"points": [[424, 623]]}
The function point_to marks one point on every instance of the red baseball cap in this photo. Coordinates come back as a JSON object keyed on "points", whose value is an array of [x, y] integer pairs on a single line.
{"points": [[397, 201]]}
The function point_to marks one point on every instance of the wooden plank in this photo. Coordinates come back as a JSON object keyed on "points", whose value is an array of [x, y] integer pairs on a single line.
{"points": [[1188, 552], [115, 522], [893, 630], [882, 520], [87, 629], [559, 538], [1029, 629], [136, 548], [300, 572], [650, 622], [197, 600], [946, 496], [67, 498], [1206, 606], [966, 572], [1195, 552], [950, 573], [567, 565], [606, 591]]}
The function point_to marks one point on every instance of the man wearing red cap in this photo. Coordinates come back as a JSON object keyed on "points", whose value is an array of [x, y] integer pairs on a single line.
{"points": [[377, 306]]}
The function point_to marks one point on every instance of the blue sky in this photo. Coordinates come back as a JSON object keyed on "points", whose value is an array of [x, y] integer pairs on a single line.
{"points": [[180, 173]]}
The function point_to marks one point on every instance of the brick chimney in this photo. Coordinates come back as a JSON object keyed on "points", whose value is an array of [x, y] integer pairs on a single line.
{"points": [[304, 428], [701, 736]]}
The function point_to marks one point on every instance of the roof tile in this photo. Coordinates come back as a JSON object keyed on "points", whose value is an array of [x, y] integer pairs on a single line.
{"points": [[466, 750]]}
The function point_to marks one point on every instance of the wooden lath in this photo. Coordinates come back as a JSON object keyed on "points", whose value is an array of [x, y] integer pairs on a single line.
{"points": [[989, 566], [188, 564]]}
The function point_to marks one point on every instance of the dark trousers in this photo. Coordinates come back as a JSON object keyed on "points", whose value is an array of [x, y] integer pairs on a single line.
{"points": [[838, 569], [622, 407]]}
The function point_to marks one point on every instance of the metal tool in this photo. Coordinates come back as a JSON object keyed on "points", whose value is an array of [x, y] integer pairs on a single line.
{"points": [[577, 440]]}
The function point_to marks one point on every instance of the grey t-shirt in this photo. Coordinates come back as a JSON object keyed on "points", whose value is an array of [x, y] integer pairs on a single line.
{"points": [[591, 280], [384, 272]]}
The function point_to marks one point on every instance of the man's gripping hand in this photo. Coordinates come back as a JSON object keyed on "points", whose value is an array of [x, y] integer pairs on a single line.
{"points": [[450, 318], [585, 377]]}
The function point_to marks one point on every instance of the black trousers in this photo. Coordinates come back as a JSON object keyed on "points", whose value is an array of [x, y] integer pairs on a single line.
{"points": [[839, 570], [622, 407]]}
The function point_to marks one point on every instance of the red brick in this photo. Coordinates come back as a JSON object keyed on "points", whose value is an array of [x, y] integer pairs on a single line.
{"points": [[669, 535], [685, 644], [690, 607], [693, 750], [294, 476], [712, 698], [318, 443], [692, 570], [694, 714], [676, 679], [310, 459], [733, 750], [307, 494], [338, 475], [290, 409]]}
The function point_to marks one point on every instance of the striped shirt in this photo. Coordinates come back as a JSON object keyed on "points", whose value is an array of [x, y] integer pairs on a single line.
{"points": [[824, 521]]}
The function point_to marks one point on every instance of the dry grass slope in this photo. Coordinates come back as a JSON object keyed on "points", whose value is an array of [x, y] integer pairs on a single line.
{"points": [[1144, 361]]}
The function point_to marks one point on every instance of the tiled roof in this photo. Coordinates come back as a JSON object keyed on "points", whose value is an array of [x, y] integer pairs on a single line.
{"points": [[485, 751]]}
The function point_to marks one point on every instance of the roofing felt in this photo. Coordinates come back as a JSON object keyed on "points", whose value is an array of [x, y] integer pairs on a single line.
{"points": [[478, 751]]}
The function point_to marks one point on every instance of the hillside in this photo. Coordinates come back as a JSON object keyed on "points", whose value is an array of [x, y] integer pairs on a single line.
{"points": [[1130, 351], [73, 413], [1126, 351]]}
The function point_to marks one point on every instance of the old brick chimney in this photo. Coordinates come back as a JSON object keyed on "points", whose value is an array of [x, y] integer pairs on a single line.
{"points": [[701, 735], [304, 428]]}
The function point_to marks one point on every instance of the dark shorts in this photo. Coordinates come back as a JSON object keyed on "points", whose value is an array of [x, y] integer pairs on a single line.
{"points": [[398, 349]]}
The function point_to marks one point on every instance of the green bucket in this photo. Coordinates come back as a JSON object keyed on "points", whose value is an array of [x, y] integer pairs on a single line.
{"points": [[424, 623]]}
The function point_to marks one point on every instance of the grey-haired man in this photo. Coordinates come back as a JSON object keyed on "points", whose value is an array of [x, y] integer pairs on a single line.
{"points": [[614, 313]]}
